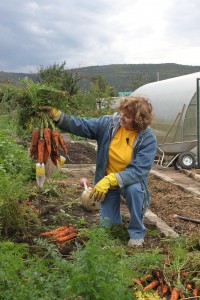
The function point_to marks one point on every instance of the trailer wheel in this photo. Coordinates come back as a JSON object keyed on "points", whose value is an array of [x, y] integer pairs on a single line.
{"points": [[186, 160], [176, 164]]}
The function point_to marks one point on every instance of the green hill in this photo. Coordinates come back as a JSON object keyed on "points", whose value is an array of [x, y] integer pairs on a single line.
{"points": [[124, 77]]}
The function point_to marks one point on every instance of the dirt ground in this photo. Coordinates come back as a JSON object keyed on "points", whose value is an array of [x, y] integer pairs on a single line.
{"points": [[167, 199]]}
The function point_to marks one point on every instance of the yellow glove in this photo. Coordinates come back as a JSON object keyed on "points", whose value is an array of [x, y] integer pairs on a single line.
{"points": [[53, 113], [100, 189]]}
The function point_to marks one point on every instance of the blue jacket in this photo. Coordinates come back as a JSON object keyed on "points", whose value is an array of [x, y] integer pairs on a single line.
{"points": [[102, 130]]}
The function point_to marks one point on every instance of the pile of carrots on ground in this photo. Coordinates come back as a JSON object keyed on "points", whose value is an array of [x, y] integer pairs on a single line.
{"points": [[155, 281], [61, 234], [46, 140]]}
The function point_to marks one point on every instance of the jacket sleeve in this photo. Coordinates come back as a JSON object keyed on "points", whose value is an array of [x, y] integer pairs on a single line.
{"points": [[88, 128], [139, 167]]}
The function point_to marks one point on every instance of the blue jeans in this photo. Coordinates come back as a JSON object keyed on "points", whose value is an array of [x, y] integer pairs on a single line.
{"points": [[134, 196]]}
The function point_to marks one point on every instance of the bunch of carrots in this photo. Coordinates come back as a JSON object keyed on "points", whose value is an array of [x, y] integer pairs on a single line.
{"points": [[61, 234], [155, 281], [46, 140]]}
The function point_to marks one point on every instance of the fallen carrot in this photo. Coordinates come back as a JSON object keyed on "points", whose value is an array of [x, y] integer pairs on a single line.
{"points": [[66, 232], [52, 232], [146, 277], [174, 294], [151, 285], [195, 293], [188, 286], [184, 273], [67, 237], [165, 289], [136, 280], [159, 276]]}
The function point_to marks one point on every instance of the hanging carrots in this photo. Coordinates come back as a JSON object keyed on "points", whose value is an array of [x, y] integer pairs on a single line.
{"points": [[41, 144], [46, 141], [34, 143], [55, 140], [47, 138]]}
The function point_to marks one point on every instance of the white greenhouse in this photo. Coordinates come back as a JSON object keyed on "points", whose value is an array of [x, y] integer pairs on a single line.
{"points": [[175, 108], [174, 103]]}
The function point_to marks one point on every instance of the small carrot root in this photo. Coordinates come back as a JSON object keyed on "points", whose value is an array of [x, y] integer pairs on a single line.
{"points": [[146, 277], [151, 285], [165, 289], [175, 294], [195, 293]]}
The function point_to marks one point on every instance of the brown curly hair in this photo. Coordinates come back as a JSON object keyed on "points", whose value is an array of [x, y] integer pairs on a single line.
{"points": [[139, 108]]}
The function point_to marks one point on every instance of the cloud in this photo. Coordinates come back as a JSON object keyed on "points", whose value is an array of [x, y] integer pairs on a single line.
{"points": [[85, 33]]}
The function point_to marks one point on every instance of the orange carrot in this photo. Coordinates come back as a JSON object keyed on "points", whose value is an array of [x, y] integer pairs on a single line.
{"points": [[55, 231], [35, 136], [175, 294], [195, 293], [54, 158], [67, 237], [159, 276], [55, 139], [62, 143], [151, 285], [188, 286], [46, 154], [146, 277], [136, 280], [66, 232], [47, 138], [41, 144], [165, 289], [184, 273]]}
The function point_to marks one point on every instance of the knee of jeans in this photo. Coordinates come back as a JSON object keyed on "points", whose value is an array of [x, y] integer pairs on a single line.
{"points": [[135, 187]]}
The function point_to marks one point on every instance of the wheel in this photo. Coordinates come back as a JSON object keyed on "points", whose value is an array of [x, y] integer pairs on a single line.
{"points": [[176, 164], [186, 160]]}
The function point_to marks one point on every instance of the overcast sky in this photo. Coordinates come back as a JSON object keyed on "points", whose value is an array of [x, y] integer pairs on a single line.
{"points": [[97, 32]]}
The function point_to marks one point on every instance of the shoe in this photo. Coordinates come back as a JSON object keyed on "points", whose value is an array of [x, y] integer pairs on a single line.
{"points": [[135, 243]]}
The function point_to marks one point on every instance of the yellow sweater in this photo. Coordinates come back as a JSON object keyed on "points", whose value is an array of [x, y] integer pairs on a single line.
{"points": [[120, 150]]}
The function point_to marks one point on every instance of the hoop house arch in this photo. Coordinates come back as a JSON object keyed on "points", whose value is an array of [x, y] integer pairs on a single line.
{"points": [[174, 103]]}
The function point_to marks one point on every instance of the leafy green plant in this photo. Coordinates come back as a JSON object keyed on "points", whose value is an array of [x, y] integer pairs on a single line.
{"points": [[101, 269], [32, 96], [14, 160]]}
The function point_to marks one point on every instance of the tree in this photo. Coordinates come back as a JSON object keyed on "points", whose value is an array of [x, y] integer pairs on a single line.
{"points": [[60, 78]]}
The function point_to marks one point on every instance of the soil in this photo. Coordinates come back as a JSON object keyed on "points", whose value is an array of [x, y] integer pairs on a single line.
{"points": [[167, 199], [60, 203]]}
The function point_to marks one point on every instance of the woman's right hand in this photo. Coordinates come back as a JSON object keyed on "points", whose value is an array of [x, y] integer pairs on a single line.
{"points": [[53, 113]]}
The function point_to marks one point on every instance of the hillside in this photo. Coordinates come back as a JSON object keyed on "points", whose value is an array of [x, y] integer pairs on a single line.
{"points": [[124, 77]]}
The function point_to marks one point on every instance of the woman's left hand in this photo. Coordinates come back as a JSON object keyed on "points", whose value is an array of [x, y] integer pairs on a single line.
{"points": [[100, 189]]}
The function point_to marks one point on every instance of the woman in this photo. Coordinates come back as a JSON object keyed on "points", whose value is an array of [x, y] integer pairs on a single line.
{"points": [[125, 154]]}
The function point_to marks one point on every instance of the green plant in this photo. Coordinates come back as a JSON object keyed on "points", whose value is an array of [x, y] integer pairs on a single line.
{"points": [[14, 159], [101, 269]]}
